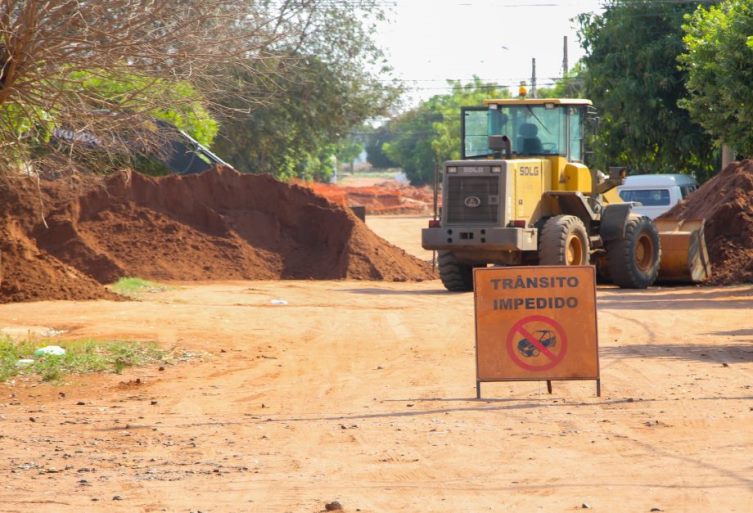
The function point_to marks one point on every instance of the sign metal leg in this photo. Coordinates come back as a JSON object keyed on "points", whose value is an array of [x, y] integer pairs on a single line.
{"points": [[598, 387], [478, 390], [549, 386]]}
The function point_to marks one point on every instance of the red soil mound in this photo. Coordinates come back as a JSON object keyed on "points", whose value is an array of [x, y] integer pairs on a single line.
{"points": [[217, 225], [26, 272], [726, 202], [380, 199]]}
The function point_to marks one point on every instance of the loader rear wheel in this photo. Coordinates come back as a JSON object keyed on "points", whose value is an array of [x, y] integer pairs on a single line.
{"points": [[455, 276], [633, 262], [564, 241]]}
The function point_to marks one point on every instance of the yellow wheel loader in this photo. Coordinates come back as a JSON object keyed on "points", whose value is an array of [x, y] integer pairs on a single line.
{"points": [[521, 195]]}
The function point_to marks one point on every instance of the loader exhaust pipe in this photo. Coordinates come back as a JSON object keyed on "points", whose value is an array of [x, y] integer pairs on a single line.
{"points": [[602, 184]]}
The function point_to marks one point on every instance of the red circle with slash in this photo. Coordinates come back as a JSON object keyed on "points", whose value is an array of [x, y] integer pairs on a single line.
{"points": [[522, 328]]}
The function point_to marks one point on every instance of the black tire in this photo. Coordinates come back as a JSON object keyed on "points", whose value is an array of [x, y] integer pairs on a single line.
{"points": [[633, 262], [564, 241], [455, 276]]}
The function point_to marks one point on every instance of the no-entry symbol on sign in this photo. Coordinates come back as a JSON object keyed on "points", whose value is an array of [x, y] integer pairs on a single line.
{"points": [[536, 324], [537, 343]]}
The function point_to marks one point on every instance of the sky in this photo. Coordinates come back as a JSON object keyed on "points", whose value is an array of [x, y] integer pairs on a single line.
{"points": [[429, 41]]}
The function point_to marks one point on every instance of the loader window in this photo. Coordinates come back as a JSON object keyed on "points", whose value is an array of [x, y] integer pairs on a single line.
{"points": [[533, 129], [475, 131], [576, 134]]}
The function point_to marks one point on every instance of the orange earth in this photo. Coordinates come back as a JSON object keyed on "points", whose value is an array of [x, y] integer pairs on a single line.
{"points": [[364, 393]]}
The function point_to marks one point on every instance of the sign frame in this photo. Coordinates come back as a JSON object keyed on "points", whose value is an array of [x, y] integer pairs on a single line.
{"points": [[537, 317]]}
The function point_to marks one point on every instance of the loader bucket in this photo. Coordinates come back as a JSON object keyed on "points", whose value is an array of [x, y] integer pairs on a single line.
{"points": [[684, 257]]}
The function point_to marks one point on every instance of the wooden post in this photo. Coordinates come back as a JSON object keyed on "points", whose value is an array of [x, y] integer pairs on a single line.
{"points": [[533, 78], [728, 155], [565, 64]]}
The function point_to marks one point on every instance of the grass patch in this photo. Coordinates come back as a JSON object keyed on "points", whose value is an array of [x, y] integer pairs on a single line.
{"points": [[81, 356], [134, 286]]}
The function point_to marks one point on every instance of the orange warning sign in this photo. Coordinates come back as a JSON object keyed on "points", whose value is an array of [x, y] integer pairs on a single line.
{"points": [[536, 323]]}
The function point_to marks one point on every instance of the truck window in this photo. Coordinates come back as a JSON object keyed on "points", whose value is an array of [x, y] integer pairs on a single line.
{"points": [[687, 189], [646, 197]]}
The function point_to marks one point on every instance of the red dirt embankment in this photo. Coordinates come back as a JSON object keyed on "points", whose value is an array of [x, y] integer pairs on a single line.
{"points": [[726, 202], [217, 225], [28, 273], [379, 199]]}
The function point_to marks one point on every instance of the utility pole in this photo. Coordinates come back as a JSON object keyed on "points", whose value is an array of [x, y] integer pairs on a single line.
{"points": [[565, 66], [533, 77]]}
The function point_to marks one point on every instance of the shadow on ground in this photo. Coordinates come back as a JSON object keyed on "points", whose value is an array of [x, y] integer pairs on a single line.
{"points": [[659, 300], [713, 353], [375, 291]]}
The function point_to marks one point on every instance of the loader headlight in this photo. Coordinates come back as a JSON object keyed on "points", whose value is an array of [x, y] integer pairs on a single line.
{"points": [[452, 169]]}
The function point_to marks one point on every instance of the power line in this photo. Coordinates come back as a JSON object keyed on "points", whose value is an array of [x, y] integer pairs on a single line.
{"points": [[496, 84], [513, 3], [463, 80]]}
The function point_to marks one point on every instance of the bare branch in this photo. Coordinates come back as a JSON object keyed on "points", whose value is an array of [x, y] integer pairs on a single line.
{"points": [[101, 71]]}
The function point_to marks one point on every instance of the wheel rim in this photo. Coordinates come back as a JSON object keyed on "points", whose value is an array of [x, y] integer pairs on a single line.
{"points": [[574, 251], [644, 252]]}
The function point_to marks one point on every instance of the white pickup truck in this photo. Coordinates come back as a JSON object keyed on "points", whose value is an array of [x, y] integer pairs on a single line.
{"points": [[656, 193]]}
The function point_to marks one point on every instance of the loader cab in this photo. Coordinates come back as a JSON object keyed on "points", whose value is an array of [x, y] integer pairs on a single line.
{"points": [[533, 127]]}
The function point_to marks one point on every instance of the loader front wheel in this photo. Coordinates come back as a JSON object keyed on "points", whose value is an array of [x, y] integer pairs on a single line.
{"points": [[602, 269], [633, 262], [455, 276], [564, 241]]}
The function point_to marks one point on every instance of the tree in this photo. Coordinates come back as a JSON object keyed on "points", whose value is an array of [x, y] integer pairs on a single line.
{"points": [[569, 86], [631, 74], [375, 147], [411, 147], [428, 135], [718, 57], [103, 70], [349, 150], [323, 85]]}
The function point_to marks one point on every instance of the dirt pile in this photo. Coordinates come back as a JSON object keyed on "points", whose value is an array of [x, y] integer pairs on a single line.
{"points": [[379, 199], [28, 273], [726, 202], [217, 225]]}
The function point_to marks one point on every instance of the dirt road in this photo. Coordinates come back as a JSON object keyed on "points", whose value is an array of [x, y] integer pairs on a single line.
{"points": [[403, 231], [363, 393]]}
